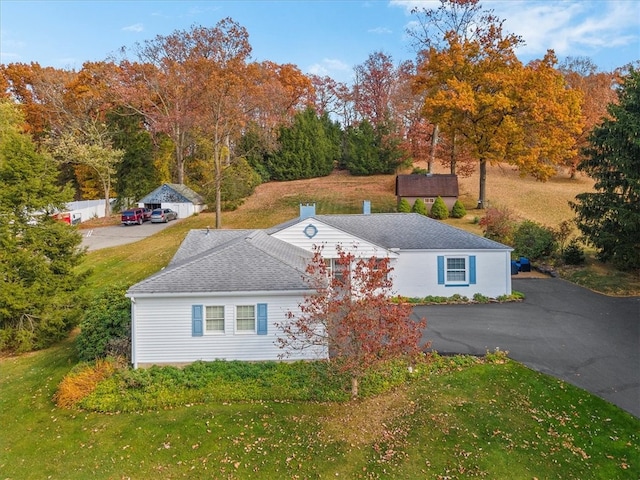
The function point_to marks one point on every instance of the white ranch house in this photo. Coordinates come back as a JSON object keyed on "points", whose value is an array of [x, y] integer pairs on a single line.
{"points": [[225, 291]]}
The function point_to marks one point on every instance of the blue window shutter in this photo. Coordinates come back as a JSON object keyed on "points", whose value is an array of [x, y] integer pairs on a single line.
{"points": [[196, 321], [262, 319], [440, 270], [472, 269]]}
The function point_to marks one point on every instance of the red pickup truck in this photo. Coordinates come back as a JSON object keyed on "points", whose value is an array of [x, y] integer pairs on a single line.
{"points": [[135, 215]]}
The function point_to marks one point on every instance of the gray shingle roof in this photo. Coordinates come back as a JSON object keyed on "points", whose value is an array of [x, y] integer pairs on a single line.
{"points": [[406, 231], [173, 193], [253, 260], [244, 260]]}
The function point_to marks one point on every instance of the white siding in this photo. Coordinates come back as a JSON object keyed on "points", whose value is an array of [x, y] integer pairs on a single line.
{"points": [[415, 274], [184, 209], [162, 331], [329, 237]]}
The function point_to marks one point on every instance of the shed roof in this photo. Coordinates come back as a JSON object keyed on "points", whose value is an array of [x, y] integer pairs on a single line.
{"points": [[173, 193], [415, 185]]}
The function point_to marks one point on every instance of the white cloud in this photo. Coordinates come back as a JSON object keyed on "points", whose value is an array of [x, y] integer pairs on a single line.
{"points": [[380, 30], [570, 27], [336, 69], [136, 27]]}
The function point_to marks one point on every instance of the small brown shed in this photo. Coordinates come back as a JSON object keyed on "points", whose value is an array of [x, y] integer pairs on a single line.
{"points": [[427, 187]]}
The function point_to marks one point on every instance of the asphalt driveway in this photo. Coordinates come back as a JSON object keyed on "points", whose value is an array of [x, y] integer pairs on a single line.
{"points": [[585, 338], [105, 237]]}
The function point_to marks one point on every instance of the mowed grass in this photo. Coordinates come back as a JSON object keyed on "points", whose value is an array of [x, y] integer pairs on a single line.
{"points": [[499, 421]]}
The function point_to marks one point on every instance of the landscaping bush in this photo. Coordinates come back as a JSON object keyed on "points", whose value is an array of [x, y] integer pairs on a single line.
{"points": [[458, 210], [106, 327], [573, 254], [419, 207], [102, 389], [533, 240], [439, 210], [403, 206], [499, 224]]}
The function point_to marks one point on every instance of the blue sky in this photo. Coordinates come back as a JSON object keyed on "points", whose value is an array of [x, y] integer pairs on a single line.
{"points": [[320, 37]]}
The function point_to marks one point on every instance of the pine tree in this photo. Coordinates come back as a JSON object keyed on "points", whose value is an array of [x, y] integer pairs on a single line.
{"points": [[307, 149], [403, 206], [439, 209], [458, 210], [419, 207], [38, 254], [609, 219]]}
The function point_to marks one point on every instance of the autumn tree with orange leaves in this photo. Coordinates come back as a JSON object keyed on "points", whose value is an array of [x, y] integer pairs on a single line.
{"points": [[598, 91], [477, 90], [351, 317]]}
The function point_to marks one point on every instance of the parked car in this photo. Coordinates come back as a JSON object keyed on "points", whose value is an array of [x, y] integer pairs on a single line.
{"points": [[163, 215], [133, 216], [147, 214]]}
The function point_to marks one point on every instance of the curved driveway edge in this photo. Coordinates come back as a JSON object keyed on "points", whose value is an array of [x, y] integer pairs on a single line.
{"points": [[584, 338], [116, 235]]}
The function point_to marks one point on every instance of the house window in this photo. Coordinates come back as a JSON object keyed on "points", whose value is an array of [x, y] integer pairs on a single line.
{"points": [[429, 200], [214, 319], [456, 270], [245, 318], [335, 268]]}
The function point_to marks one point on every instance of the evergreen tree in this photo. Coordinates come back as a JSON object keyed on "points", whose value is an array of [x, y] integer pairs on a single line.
{"points": [[135, 173], [370, 150], [253, 147], [609, 219], [419, 207], [306, 150], [361, 152], [439, 209], [458, 210], [38, 254], [403, 206]]}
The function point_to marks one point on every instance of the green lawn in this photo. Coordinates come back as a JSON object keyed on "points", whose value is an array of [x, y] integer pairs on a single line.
{"points": [[497, 420]]}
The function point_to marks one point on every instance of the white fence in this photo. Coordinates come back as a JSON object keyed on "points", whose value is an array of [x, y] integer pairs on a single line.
{"points": [[84, 210]]}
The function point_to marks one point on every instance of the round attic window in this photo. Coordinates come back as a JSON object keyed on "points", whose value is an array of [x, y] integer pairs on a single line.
{"points": [[310, 231]]}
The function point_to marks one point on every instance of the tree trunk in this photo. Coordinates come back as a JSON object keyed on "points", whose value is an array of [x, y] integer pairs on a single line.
{"points": [[179, 157], [107, 203], [434, 145], [354, 387], [219, 169], [452, 163], [483, 184], [218, 173]]}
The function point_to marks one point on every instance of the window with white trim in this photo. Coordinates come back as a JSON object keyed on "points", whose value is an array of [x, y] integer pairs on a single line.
{"points": [[245, 318], [456, 270], [335, 268], [214, 319]]}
